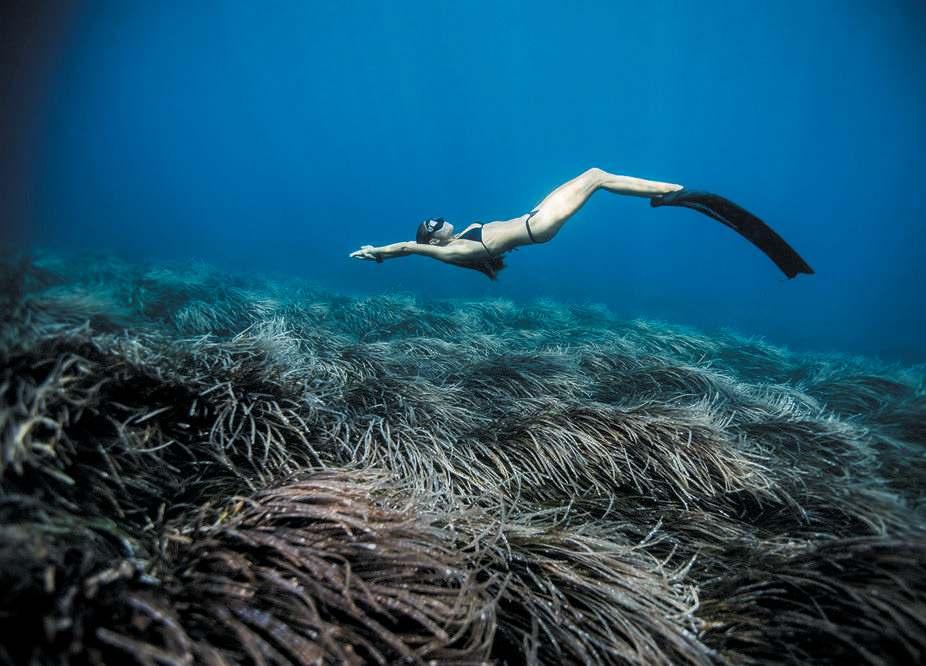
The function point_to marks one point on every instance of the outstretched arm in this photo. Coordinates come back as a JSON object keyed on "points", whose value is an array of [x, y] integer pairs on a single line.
{"points": [[403, 249]]}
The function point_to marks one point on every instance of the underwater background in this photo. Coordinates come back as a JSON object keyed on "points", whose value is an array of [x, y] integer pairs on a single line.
{"points": [[222, 441], [282, 139]]}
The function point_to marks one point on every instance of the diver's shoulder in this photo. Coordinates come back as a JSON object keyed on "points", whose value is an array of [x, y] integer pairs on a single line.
{"points": [[471, 225]]}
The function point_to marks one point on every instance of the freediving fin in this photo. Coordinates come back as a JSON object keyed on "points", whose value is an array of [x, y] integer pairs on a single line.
{"points": [[743, 222]]}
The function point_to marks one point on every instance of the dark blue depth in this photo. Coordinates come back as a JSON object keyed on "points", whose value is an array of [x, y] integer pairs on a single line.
{"points": [[281, 137]]}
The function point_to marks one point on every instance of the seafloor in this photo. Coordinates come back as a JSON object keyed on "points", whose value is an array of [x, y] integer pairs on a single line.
{"points": [[204, 468]]}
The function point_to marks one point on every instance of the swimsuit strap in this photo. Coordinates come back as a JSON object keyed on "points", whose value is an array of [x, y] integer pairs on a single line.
{"points": [[484, 246], [527, 223]]}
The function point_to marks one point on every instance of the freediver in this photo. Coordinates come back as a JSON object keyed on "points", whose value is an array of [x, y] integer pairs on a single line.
{"points": [[481, 246]]}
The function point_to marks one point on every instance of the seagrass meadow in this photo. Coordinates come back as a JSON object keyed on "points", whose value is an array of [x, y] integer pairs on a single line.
{"points": [[215, 469]]}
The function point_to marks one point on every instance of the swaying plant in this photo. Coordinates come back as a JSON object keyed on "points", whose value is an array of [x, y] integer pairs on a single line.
{"points": [[198, 468]]}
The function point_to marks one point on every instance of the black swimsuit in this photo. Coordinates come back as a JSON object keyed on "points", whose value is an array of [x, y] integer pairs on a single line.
{"points": [[475, 234]]}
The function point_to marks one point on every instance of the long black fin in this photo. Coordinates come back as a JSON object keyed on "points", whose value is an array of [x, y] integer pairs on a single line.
{"points": [[743, 222]]}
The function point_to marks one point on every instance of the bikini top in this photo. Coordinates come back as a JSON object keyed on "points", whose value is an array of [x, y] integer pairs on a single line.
{"points": [[475, 234]]}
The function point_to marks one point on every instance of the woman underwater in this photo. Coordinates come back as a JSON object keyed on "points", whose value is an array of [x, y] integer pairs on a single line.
{"points": [[481, 246]]}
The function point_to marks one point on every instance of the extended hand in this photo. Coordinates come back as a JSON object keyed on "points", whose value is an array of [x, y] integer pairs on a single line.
{"points": [[367, 252]]}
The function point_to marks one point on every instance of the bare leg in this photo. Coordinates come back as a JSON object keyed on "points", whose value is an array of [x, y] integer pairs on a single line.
{"points": [[563, 202]]}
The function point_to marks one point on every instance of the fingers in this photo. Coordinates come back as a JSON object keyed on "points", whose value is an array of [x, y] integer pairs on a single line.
{"points": [[363, 254]]}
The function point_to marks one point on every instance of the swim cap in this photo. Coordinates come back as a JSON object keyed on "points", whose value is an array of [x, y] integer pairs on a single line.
{"points": [[428, 228]]}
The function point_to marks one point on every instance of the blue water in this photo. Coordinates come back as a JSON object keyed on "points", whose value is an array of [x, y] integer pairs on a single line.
{"points": [[281, 137]]}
